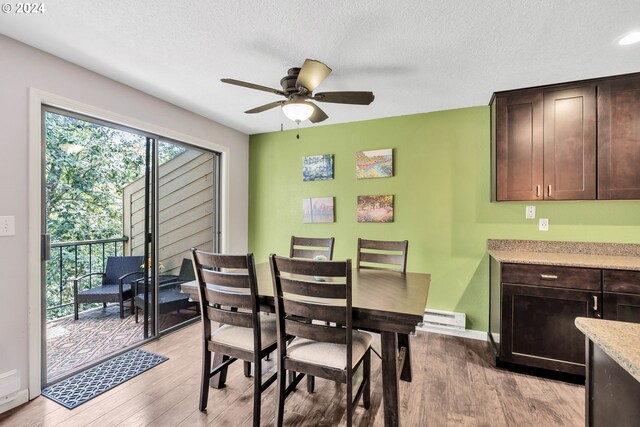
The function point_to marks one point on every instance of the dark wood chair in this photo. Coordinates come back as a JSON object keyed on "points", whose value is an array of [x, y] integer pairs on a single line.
{"points": [[119, 272], [228, 294], [170, 296], [333, 351], [311, 247], [383, 255]]}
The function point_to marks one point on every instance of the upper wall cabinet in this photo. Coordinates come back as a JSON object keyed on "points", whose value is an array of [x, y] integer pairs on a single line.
{"points": [[549, 142], [619, 138]]}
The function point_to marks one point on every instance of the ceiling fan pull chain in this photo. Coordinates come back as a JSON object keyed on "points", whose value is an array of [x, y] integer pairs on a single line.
{"points": [[298, 130]]}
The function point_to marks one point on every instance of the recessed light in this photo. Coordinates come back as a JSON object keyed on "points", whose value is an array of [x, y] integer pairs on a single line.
{"points": [[630, 38]]}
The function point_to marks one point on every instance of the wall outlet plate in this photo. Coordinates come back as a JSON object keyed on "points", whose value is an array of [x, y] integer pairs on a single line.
{"points": [[7, 225], [543, 224], [530, 212]]}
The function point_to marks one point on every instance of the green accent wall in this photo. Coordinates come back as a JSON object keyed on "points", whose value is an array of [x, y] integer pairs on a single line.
{"points": [[441, 183]]}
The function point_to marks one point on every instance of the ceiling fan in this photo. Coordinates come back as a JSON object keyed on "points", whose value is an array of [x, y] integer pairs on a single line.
{"points": [[298, 86]]}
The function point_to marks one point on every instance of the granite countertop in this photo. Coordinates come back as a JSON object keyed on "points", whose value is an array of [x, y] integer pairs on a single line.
{"points": [[615, 256], [620, 340]]}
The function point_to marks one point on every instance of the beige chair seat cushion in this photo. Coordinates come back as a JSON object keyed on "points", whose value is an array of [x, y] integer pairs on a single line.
{"points": [[327, 354], [242, 338]]}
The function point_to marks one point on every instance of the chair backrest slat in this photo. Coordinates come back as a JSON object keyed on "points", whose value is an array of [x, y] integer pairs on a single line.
{"points": [[310, 247], [317, 288], [305, 267], [315, 311], [228, 317], [315, 332], [383, 255], [229, 298], [230, 279], [222, 261]]}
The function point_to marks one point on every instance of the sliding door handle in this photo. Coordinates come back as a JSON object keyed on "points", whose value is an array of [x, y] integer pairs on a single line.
{"points": [[45, 247]]}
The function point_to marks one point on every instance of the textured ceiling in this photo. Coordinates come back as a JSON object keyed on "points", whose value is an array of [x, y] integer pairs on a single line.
{"points": [[416, 56]]}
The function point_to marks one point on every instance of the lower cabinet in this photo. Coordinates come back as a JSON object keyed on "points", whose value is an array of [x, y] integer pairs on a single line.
{"points": [[538, 327], [533, 309]]}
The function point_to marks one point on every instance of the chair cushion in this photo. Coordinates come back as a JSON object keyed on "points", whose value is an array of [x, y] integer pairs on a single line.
{"points": [[242, 338], [327, 354]]}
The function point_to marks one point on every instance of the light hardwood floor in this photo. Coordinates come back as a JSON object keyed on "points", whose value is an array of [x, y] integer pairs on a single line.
{"points": [[453, 385]]}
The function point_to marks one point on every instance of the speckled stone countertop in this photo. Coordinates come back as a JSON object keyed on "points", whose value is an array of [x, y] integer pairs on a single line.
{"points": [[620, 340], [615, 256]]}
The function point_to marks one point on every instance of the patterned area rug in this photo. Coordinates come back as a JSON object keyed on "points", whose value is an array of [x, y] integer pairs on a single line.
{"points": [[86, 385], [73, 344]]}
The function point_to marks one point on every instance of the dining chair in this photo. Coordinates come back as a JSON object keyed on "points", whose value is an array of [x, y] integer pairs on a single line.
{"points": [[228, 294], [311, 247], [383, 255], [332, 351]]}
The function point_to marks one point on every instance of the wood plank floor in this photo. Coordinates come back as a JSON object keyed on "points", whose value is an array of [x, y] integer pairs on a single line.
{"points": [[453, 385]]}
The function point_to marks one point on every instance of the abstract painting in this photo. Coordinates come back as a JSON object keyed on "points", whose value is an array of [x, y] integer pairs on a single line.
{"points": [[374, 164], [375, 208], [317, 168], [317, 210]]}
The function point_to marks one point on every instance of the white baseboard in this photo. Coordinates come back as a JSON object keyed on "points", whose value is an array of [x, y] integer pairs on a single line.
{"points": [[467, 333], [13, 400]]}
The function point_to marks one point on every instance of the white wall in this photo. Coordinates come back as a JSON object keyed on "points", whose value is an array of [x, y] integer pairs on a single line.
{"points": [[23, 67]]}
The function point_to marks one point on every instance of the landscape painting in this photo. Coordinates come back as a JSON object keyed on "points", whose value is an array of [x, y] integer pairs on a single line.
{"points": [[317, 210], [374, 164], [317, 168], [375, 208]]}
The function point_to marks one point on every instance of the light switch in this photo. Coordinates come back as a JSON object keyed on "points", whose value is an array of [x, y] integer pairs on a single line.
{"points": [[531, 212], [7, 225]]}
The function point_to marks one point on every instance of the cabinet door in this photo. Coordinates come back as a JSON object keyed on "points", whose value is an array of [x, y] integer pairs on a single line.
{"points": [[519, 146], [622, 307], [570, 144], [538, 327], [619, 138]]}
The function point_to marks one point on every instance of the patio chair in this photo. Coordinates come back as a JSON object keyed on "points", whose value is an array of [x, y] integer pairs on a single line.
{"points": [[118, 274], [170, 296]]}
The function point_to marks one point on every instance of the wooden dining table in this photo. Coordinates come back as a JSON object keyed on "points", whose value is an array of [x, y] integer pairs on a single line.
{"points": [[386, 302]]}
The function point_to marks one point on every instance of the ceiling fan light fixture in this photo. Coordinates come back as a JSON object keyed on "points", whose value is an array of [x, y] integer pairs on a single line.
{"points": [[298, 111]]}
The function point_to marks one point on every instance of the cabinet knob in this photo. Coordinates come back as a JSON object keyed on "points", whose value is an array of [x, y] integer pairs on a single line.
{"points": [[537, 191], [595, 303], [548, 277], [549, 190]]}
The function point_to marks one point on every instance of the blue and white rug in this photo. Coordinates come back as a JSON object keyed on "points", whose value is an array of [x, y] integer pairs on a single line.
{"points": [[86, 385]]}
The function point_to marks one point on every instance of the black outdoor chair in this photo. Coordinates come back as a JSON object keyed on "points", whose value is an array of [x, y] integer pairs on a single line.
{"points": [[170, 296], [119, 272]]}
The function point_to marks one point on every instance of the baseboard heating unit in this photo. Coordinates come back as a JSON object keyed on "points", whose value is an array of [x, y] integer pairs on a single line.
{"points": [[444, 320]]}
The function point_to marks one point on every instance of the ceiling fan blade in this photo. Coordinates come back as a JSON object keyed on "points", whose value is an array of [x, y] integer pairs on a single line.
{"points": [[318, 115], [251, 86], [264, 107], [359, 98], [312, 74]]}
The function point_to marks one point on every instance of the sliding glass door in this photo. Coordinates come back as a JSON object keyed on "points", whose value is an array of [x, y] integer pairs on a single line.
{"points": [[117, 202]]}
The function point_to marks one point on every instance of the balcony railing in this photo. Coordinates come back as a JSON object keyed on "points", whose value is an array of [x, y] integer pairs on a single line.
{"points": [[73, 259]]}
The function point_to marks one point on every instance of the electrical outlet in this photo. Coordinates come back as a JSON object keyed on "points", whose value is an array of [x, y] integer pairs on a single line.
{"points": [[7, 225], [543, 224], [530, 212]]}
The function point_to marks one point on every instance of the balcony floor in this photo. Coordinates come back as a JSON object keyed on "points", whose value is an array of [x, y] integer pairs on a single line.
{"points": [[73, 344]]}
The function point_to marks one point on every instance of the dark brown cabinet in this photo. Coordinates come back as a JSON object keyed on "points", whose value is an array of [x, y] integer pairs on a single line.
{"points": [[621, 292], [619, 138], [575, 141], [519, 146], [546, 144], [533, 309]]}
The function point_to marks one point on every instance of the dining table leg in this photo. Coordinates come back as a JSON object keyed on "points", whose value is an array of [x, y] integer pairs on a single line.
{"points": [[218, 380], [403, 341], [389, 341]]}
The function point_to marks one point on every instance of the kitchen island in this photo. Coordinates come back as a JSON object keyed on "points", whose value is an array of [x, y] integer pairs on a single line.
{"points": [[613, 372]]}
